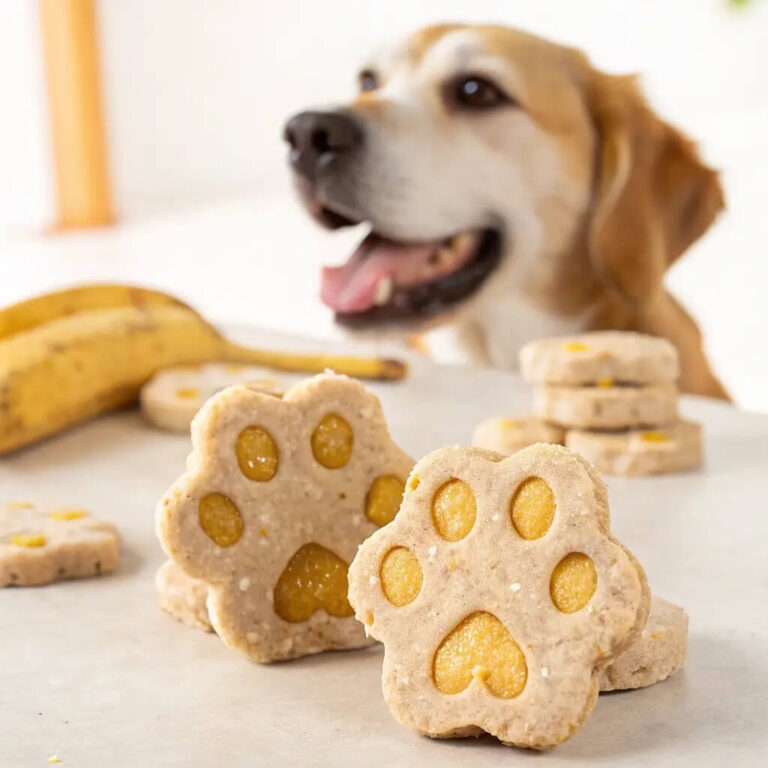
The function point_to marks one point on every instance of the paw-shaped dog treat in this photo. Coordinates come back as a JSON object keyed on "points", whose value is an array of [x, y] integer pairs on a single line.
{"points": [[675, 447], [622, 356], [276, 498], [499, 595], [657, 654], [183, 597], [508, 436], [607, 406], [38, 546], [172, 397]]}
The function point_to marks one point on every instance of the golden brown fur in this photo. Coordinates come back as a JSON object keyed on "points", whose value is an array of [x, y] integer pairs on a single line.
{"points": [[653, 197], [668, 199]]}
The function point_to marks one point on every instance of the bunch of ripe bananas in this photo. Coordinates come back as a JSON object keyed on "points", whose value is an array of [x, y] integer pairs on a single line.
{"points": [[70, 355]]}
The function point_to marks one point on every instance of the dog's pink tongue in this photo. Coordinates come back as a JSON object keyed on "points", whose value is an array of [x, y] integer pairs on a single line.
{"points": [[360, 284], [354, 286]]}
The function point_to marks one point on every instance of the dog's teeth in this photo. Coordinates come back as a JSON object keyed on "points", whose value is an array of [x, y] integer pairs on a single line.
{"points": [[444, 255], [384, 291], [460, 242]]}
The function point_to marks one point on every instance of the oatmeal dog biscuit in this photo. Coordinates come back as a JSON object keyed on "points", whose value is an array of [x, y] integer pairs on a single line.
{"points": [[172, 397], [38, 546], [657, 654], [621, 356], [636, 452], [606, 406], [183, 597], [499, 594], [510, 435], [275, 501]]}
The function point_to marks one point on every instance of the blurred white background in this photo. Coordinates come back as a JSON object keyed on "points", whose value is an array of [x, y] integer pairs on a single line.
{"points": [[196, 94]]}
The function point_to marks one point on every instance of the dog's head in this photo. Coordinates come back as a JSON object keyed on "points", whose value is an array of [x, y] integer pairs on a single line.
{"points": [[482, 157]]}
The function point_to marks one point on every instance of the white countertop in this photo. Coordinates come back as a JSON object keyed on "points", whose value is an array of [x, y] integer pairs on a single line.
{"points": [[95, 672]]}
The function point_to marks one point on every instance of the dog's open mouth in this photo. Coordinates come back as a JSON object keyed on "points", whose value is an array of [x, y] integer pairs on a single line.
{"points": [[389, 280]]}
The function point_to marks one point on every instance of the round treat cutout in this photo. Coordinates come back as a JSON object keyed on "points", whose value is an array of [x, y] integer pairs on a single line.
{"points": [[332, 441], [221, 519], [454, 510], [256, 453], [532, 508], [573, 582], [383, 499], [401, 576]]}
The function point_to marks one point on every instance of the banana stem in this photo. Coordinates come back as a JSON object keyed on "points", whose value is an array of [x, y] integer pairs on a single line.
{"points": [[360, 367]]}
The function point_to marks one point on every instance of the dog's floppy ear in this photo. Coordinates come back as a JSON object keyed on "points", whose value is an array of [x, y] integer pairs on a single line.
{"points": [[653, 195]]}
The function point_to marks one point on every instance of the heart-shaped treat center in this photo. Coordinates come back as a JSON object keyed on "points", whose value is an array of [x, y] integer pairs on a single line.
{"points": [[480, 647], [315, 578]]}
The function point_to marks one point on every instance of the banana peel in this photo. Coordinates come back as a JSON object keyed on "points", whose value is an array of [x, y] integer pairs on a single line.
{"points": [[61, 370], [38, 310]]}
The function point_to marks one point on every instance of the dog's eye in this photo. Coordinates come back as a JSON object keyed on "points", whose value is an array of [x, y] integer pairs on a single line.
{"points": [[368, 80], [475, 92]]}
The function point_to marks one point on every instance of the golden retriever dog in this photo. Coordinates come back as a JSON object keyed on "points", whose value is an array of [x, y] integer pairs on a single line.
{"points": [[511, 189]]}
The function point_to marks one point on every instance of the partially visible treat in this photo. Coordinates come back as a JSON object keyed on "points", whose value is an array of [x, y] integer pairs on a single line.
{"points": [[606, 406], [657, 654], [499, 594], [675, 447], [275, 501], [183, 597], [172, 397], [39, 546], [624, 357], [508, 436]]}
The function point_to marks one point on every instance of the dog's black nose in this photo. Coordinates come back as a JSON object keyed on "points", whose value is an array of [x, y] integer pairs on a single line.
{"points": [[318, 138]]}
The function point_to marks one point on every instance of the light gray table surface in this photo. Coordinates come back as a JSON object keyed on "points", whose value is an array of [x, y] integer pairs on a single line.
{"points": [[94, 672]]}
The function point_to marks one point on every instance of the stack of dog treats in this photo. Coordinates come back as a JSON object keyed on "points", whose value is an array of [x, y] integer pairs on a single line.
{"points": [[610, 396]]}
